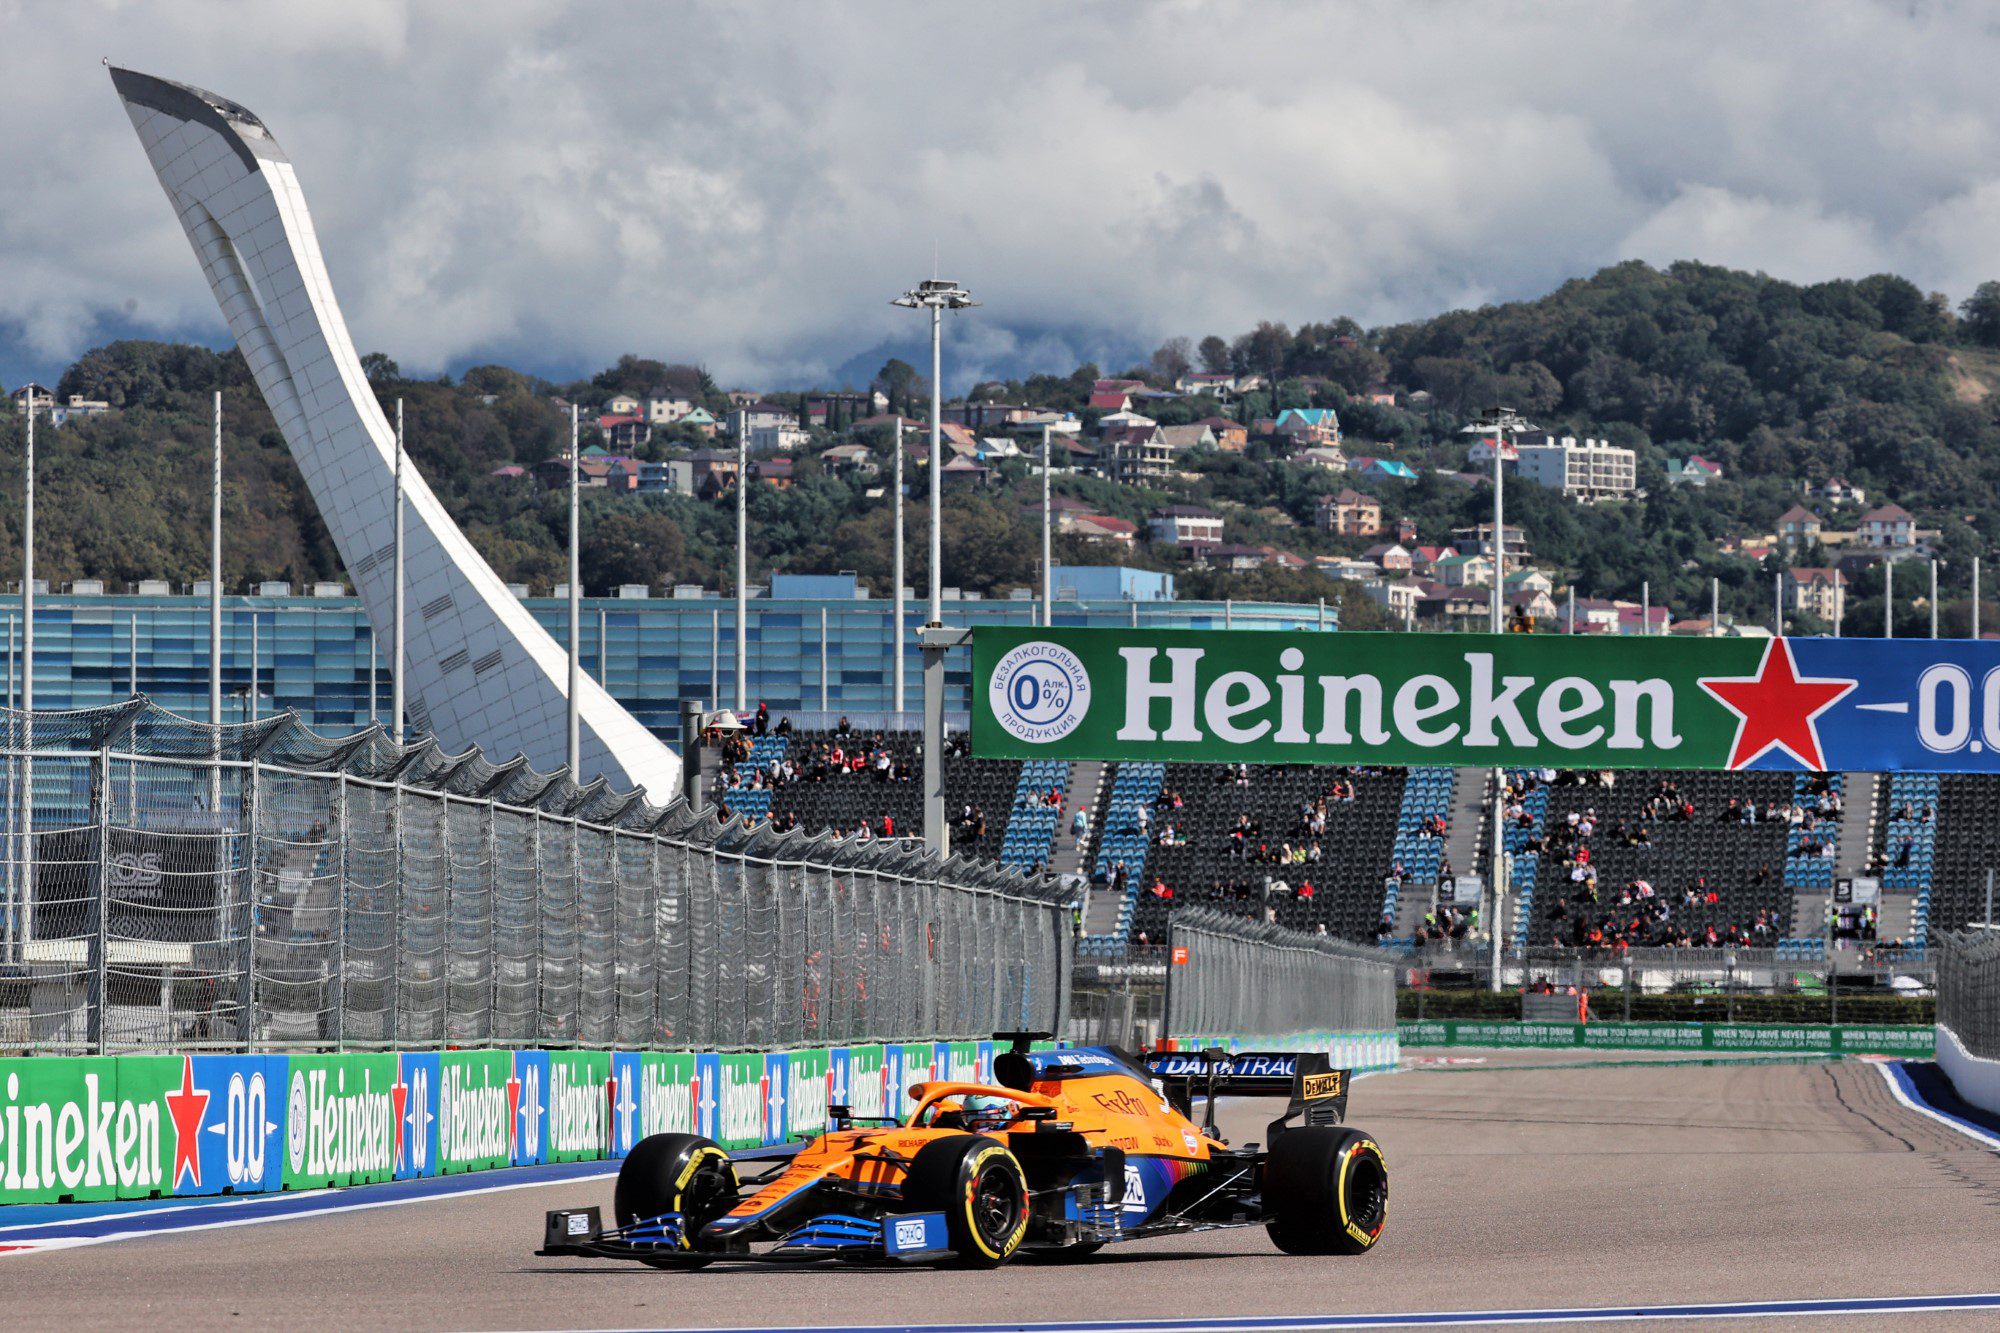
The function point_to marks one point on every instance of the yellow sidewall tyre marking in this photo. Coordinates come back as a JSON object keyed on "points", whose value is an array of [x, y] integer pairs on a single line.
{"points": [[974, 1167], [1361, 1237]]}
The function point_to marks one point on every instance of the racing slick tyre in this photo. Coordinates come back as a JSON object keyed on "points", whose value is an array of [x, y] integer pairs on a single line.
{"points": [[1326, 1191], [675, 1173], [980, 1188]]}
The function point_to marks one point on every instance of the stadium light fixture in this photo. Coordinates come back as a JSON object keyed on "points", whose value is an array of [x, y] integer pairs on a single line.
{"points": [[936, 295]]}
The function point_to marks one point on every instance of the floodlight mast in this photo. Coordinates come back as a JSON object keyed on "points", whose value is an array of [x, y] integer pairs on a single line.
{"points": [[936, 295]]}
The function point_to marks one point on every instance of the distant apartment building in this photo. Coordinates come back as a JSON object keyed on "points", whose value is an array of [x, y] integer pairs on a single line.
{"points": [[1135, 453], [1349, 514], [1185, 525], [1819, 593], [1584, 469]]}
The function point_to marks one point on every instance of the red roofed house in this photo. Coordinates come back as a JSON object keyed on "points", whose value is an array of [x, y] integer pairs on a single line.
{"points": [[1104, 530], [1888, 527], [1799, 525]]}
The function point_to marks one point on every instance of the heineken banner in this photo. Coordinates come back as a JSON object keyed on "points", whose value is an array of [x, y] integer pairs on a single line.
{"points": [[98, 1128], [1775, 1038], [1925, 705]]}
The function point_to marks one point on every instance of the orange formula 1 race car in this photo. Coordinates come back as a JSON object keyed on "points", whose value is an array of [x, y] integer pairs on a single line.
{"points": [[1067, 1151]]}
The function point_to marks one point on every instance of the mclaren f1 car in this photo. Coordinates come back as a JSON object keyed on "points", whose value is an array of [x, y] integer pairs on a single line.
{"points": [[1065, 1152]]}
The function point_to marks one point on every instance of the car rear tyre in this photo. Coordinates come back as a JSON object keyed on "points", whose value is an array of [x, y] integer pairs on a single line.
{"points": [[980, 1188], [1326, 1191], [676, 1173]]}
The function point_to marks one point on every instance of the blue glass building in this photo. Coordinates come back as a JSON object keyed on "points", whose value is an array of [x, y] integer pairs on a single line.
{"points": [[816, 644]]}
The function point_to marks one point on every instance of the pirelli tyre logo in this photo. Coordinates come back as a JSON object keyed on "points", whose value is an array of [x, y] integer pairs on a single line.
{"points": [[1318, 1087]]}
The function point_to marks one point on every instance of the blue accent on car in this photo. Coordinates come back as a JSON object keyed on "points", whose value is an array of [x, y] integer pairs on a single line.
{"points": [[914, 1233], [834, 1231]]}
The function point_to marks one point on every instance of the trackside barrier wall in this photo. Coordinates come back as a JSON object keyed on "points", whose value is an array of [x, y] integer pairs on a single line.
{"points": [[1968, 1021], [1775, 1038], [168, 885], [1251, 985], [94, 1128]]}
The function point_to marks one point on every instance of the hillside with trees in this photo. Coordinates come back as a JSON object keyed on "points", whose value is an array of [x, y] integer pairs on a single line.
{"points": [[1873, 380]]}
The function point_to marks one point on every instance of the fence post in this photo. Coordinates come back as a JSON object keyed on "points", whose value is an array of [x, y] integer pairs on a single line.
{"points": [[395, 1032], [450, 896], [340, 919], [1167, 990], [1631, 981], [99, 1002], [246, 993]]}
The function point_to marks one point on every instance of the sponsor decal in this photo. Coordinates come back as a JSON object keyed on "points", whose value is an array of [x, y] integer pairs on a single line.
{"points": [[340, 1120], [808, 1092], [1313, 1087], [865, 1080], [666, 1095], [475, 1110], [1119, 1102], [415, 1101], [578, 1103], [1038, 692], [742, 1097], [528, 1107]]}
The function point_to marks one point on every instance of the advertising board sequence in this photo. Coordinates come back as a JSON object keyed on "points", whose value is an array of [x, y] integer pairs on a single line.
{"points": [[1256, 696], [1777, 1038], [138, 1126]]}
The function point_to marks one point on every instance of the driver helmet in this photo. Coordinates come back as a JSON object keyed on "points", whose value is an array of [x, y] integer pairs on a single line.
{"points": [[983, 1111]]}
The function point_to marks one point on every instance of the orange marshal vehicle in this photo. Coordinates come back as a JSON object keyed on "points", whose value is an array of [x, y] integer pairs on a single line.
{"points": [[1066, 1151]]}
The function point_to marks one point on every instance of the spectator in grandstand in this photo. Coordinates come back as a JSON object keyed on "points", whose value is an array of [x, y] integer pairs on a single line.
{"points": [[1385, 926], [1079, 824], [841, 728], [1305, 889], [784, 727], [760, 725]]}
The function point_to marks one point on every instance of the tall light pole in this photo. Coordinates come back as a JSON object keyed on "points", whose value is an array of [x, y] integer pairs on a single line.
{"points": [[23, 906], [936, 295], [743, 566], [1888, 598], [396, 599], [1048, 569], [896, 578], [215, 575], [1500, 423], [575, 734]]}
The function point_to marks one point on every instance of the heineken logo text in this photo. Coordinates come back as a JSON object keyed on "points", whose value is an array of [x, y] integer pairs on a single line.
{"points": [[1167, 699]]}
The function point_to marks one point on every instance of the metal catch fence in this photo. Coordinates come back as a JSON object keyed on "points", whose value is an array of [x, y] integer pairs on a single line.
{"points": [[1969, 990], [1231, 976], [171, 884]]}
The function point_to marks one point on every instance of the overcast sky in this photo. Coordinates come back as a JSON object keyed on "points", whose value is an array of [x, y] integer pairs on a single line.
{"points": [[551, 184]]}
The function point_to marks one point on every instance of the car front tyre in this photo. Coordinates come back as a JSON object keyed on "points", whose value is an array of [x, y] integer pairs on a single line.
{"points": [[980, 1188], [675, 1173]]}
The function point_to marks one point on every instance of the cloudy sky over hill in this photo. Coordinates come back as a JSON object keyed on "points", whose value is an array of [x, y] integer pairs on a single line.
{"points": [[552, 184]]}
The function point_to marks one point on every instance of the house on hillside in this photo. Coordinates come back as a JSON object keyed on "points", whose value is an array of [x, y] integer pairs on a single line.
{"points": [[1230, 436], [1221, 387], [1887, 527], [846, 460], [1818, 592], [1399, 597], [1136, 453], [1349, 514], [1838, 491], [1798, 526], [627, 432], [1110, 400], [1454, 608], [712, 471], [1180, 439], [1390, 557], [1327, 456], [1693, 470], [1465, 571], [624, 405], [701, 419], [749, 418], [966, 470], [1188, 526], [1380, 469], [1114, 420], [665, 409], [1303, 426], [1104, 530]]}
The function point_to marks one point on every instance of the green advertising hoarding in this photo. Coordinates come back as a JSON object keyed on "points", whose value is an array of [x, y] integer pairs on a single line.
{"points": [[340, 1120], [579, 1105], [1592, 701], [474, 1112], [1773, 1038], [666, 1094]]}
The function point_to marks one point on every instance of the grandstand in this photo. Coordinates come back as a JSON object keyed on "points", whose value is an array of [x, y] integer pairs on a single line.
{"points": [[1386, 836]]}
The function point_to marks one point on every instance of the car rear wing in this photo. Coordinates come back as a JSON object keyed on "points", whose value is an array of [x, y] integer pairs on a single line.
{"points": [[1317, 1091]]}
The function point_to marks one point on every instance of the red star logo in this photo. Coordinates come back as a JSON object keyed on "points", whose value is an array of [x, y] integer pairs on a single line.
{"points": [[399, 1097], [513, 1112], [1777, 708], [186, 1108]]}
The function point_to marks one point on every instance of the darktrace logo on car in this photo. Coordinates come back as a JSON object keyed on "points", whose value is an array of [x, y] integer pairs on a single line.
{"points": [[1039, 691]]}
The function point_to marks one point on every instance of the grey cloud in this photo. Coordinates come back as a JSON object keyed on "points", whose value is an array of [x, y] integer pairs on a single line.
{"points": [[748, 184]]}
